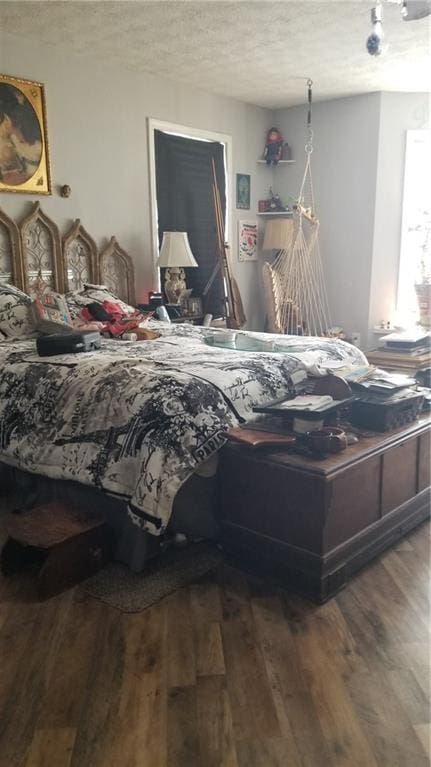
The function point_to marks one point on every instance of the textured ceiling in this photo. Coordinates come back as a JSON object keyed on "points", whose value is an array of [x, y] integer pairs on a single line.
{"points": [[259, 52]]}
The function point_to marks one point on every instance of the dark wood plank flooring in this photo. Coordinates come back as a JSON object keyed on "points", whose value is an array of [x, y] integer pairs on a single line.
{"points": [[227, 673]]}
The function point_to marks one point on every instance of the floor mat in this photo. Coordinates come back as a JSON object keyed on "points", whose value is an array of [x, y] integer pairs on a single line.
{"points": [[131, 592]]}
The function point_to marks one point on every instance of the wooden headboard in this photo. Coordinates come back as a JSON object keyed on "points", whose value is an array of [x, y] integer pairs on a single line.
{"points": [[34, 257]]}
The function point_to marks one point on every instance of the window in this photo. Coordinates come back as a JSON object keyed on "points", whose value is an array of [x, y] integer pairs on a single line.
{"points": [[177, 203], [184, 181], [415, 256]]}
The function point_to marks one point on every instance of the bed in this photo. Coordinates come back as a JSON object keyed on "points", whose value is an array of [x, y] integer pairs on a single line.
{"points": [[133, 422]]}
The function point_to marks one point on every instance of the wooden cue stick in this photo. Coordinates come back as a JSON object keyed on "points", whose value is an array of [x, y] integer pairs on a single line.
{"points": [[220, 243], [236, 316]]}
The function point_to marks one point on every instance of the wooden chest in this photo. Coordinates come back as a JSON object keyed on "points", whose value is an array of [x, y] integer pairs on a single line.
{"points": [[313, 523]]}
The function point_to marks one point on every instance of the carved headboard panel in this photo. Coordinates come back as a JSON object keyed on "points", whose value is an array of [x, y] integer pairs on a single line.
{"points": [[11, 267], [116, 271], [80, 257], [34, 257], [41, 253]]}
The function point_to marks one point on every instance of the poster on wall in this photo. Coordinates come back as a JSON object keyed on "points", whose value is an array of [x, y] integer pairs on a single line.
{"points": [[247, 241], [243, 185], [24, 160]]}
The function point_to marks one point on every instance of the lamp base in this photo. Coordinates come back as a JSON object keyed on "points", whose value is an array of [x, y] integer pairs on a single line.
{"points": [[175, 284]]}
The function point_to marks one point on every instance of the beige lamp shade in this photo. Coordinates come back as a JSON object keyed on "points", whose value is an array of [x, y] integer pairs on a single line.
{"points": [[176, 251], [278, 234]]}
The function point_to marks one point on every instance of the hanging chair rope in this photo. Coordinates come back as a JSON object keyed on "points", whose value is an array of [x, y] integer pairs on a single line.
{"points": [[295, 279]]}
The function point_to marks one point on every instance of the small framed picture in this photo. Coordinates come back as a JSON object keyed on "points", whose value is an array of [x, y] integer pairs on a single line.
{"points": [[247, 241], [194, 307], [243, 191]]}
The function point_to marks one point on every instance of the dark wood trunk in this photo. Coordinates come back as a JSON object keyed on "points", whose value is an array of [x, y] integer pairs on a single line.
{"points": [[312, 524]]}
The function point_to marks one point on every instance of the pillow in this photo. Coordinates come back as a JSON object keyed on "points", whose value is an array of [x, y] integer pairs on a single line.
{"points": [[91, 294], [15, 315], [50, 314]]}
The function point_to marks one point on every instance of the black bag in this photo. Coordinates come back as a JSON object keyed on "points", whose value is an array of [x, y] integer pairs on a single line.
{"points": [[68, 343]]}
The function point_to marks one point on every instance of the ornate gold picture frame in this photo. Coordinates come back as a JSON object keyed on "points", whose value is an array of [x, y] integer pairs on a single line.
{"points": [[24, 158]]}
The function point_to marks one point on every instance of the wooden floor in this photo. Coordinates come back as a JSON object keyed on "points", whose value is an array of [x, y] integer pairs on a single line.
{"points": [[227, 673]]}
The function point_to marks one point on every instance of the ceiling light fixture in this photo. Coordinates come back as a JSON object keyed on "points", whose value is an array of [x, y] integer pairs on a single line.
{"points": [[375, 44], [411, 10]]}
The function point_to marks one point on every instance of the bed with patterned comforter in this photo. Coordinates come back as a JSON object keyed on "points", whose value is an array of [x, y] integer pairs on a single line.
{"points": [[137, 419]]}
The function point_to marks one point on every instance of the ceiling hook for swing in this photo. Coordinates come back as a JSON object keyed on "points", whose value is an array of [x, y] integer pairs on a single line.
{"points": [[309, 144], [310, 99]]}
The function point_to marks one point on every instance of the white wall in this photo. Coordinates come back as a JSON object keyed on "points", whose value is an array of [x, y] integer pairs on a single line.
{"points": [[399, 112], [344, 164], [358, 167], [98, 145]]}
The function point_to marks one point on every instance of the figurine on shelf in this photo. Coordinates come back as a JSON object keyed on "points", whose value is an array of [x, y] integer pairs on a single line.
{"points": [[275, 203], [274, 147], [287, 152]]}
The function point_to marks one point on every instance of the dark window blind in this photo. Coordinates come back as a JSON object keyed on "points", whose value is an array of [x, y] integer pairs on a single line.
{"points": [[185, 204]]}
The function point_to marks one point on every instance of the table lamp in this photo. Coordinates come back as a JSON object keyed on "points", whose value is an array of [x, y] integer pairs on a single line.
{"points": [[278, 234], [175, 255]]}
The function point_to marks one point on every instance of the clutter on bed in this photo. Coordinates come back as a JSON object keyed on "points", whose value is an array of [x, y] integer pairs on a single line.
{"points": [[95, 307], [90, 294], [146, 334], [68, 343], [137, 420], [50, 313]]}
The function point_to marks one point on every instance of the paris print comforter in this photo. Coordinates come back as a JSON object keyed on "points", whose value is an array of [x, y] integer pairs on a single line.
{"points": [[137, 419]]}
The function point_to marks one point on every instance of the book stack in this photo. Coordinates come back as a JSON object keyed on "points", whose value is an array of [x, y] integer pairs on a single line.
{"points": [[408, 351]]}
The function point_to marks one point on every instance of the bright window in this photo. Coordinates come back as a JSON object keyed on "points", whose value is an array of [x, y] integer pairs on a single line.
{"points": [[415, 256]]}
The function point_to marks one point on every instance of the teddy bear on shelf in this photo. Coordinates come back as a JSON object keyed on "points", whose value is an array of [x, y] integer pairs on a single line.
{"points": [[274, 147]]}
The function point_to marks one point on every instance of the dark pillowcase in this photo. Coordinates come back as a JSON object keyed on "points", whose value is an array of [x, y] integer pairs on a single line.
{"points": [[99, 312]]}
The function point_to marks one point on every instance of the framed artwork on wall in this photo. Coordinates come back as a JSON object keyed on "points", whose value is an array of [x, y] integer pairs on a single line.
{"points": [[247, 241], [243, 191], [24, 158]]}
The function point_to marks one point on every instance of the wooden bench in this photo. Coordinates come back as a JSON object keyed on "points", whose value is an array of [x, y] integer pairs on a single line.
{"points": [[65, 544]]}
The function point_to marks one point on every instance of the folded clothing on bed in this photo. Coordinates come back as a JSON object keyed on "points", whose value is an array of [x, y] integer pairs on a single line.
{"points": [[96, 304], [112, 318], [91, 294]]}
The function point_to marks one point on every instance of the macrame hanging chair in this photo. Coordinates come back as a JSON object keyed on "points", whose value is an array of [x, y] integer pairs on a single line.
{"points": [[295, 292]]}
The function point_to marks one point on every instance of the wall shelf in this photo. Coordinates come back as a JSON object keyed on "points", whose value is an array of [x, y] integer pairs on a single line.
{"points": [[280, 162], [286, 213]]}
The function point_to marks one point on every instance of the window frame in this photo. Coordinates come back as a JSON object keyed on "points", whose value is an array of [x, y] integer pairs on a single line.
{"points": [[192, 133], [406, 314]]}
